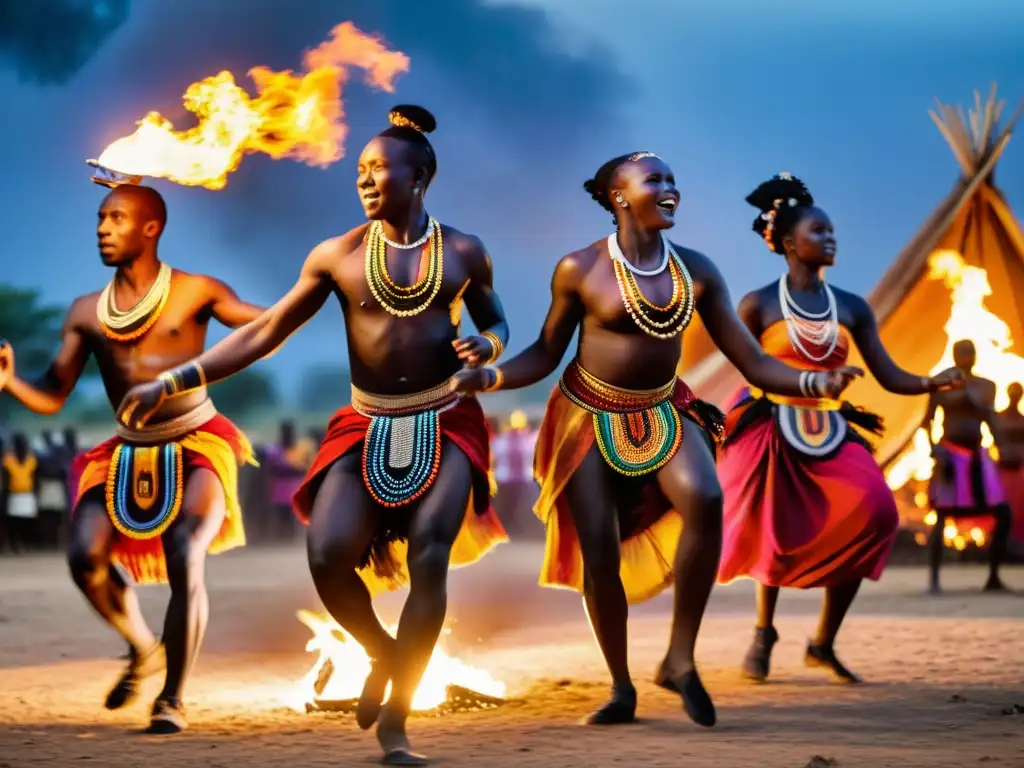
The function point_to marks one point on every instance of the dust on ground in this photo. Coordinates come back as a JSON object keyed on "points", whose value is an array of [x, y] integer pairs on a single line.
{"points": [[946, 682]]}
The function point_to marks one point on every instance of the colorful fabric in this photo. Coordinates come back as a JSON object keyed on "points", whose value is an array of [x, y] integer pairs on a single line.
{"points": [[384, 565], [805, 503], [1013, 484], [143, 487], [964, 480], [21, 474], [649, 527]]}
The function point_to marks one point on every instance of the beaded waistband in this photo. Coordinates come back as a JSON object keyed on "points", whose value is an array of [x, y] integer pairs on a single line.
{"points": [[811, 403], [433, 399], [590, 393], [172, 429]]}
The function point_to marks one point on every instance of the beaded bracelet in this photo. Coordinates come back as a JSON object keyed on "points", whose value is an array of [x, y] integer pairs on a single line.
{"points": [[183, 379], [499, 379], [496, 346]]}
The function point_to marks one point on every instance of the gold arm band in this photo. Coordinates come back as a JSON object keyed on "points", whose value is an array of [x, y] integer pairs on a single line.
{"points": [[499, 379], [497, 347], [183, 379]]}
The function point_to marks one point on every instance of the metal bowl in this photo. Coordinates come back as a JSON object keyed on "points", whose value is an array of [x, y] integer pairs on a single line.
{"points": [[108, 177]]}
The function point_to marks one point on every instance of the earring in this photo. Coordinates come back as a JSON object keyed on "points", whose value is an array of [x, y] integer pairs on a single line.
{"points": [[619, 199]]}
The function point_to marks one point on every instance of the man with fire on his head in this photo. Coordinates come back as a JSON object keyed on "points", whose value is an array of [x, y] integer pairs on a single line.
{"points": [[156, 498]]}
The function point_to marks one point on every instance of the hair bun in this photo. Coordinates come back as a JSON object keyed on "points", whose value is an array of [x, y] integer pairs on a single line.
{"points": [[783, 186], [412, 116]]}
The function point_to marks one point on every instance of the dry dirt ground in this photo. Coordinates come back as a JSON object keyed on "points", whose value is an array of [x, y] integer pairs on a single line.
{"points": [[946, 677]]}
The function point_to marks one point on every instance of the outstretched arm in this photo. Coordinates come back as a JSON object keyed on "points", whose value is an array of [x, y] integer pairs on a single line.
{"points": [[242, 347], [882, 366], [737, 343], [48, 395], [541, 358], [484, 308], [228, 309]]}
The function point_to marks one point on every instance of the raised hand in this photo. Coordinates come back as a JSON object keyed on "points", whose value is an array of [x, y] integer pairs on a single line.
{"points": [[141, 402]]}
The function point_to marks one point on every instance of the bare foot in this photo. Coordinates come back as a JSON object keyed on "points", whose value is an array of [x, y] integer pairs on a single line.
{"points": [[995, 584], [757, 662], [394, 742], [140, 666], [620, 708]]}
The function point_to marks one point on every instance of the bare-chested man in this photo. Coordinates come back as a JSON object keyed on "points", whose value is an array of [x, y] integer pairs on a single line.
{"points": [[1009, 436], [965, 481], [400, 486], [153, 500]]}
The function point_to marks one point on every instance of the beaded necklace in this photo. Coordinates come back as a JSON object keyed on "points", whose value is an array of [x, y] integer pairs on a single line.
{"points": [[819, 329], [402, 300], [661, 322], [133, 323]]}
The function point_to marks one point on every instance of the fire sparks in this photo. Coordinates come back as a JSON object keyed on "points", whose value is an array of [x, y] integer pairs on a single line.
{"points": [[968, 319], [342, 665], [295, 116]]}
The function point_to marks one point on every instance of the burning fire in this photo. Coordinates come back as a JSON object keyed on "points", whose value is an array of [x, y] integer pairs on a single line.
{"points": [[342, 666], [297, 116], [968, 319]]}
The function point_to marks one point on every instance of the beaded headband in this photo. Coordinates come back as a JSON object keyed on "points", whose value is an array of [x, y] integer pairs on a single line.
{"points": [[770, 216], [401, 121], [641, 155]]}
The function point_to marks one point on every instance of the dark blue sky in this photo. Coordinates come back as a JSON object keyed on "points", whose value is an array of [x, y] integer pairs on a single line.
{"points": [[531, 96]]}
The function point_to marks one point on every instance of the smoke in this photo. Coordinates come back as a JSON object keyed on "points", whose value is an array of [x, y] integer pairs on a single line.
{"points": [[49, 41]]}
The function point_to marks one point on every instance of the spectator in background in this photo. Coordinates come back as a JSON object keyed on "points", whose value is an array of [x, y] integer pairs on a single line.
{"points": [[20, 467], [52, 484], [512, 456], [3, 501], [286, 466]]}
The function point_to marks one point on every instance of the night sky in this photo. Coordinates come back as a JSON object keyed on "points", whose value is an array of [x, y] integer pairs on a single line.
{"points": [[531, 97]]}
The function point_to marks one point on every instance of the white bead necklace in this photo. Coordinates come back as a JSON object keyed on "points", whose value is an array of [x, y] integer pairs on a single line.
{"points": [[616, 253], [408, 246], [820, 329]]}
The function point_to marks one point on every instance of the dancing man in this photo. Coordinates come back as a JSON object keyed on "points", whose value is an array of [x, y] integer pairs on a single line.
{"points": [[965, 480], [1009, 437], [153, 499], [806, 505], [387, 496], [624, 458]]}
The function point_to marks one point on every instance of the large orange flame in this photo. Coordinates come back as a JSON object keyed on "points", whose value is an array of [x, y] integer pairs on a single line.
{"points": [[969, 318], [296, 116]]}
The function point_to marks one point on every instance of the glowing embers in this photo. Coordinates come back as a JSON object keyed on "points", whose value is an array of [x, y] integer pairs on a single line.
{"points": [[401, 456], [144, 489], [335, 680], [813, 432], [641, 442]]}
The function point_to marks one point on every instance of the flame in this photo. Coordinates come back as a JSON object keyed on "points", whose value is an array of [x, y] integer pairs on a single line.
{"points": [[352, 665], [968, 319], [296, 116]]}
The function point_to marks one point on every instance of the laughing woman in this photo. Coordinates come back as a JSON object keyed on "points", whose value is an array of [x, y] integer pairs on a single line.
{"points": [[806, 505], [624, 459]]}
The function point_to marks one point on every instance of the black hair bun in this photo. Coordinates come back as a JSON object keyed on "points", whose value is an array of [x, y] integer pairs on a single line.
{"points": [[782, 186], [412, 116]]}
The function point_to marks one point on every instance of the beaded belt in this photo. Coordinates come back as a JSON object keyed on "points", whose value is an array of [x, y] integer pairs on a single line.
{"points": [[146, 480], [172, 429], [402, 448], [637, 431], [433, 399]]}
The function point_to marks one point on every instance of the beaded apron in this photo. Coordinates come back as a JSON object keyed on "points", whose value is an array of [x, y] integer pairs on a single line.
{"points": [[637, 432], [402, 449], [811, 431], [144, 488]]}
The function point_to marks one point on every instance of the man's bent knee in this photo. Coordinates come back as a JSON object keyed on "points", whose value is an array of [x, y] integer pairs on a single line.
{"points": [[327, 556], [429, 562]]}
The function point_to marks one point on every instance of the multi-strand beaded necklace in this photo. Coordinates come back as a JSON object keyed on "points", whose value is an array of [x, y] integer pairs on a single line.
{"points": [[661, 322], [130, 325], [401, 300], [817, 329]]}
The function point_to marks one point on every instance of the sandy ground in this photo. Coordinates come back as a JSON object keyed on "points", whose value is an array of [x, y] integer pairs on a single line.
{"points": [[945, 675]]}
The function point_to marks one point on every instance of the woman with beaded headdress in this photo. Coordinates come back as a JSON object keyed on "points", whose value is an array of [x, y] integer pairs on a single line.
{"points": [[625, 455], [806, 505], [400, 487]]}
